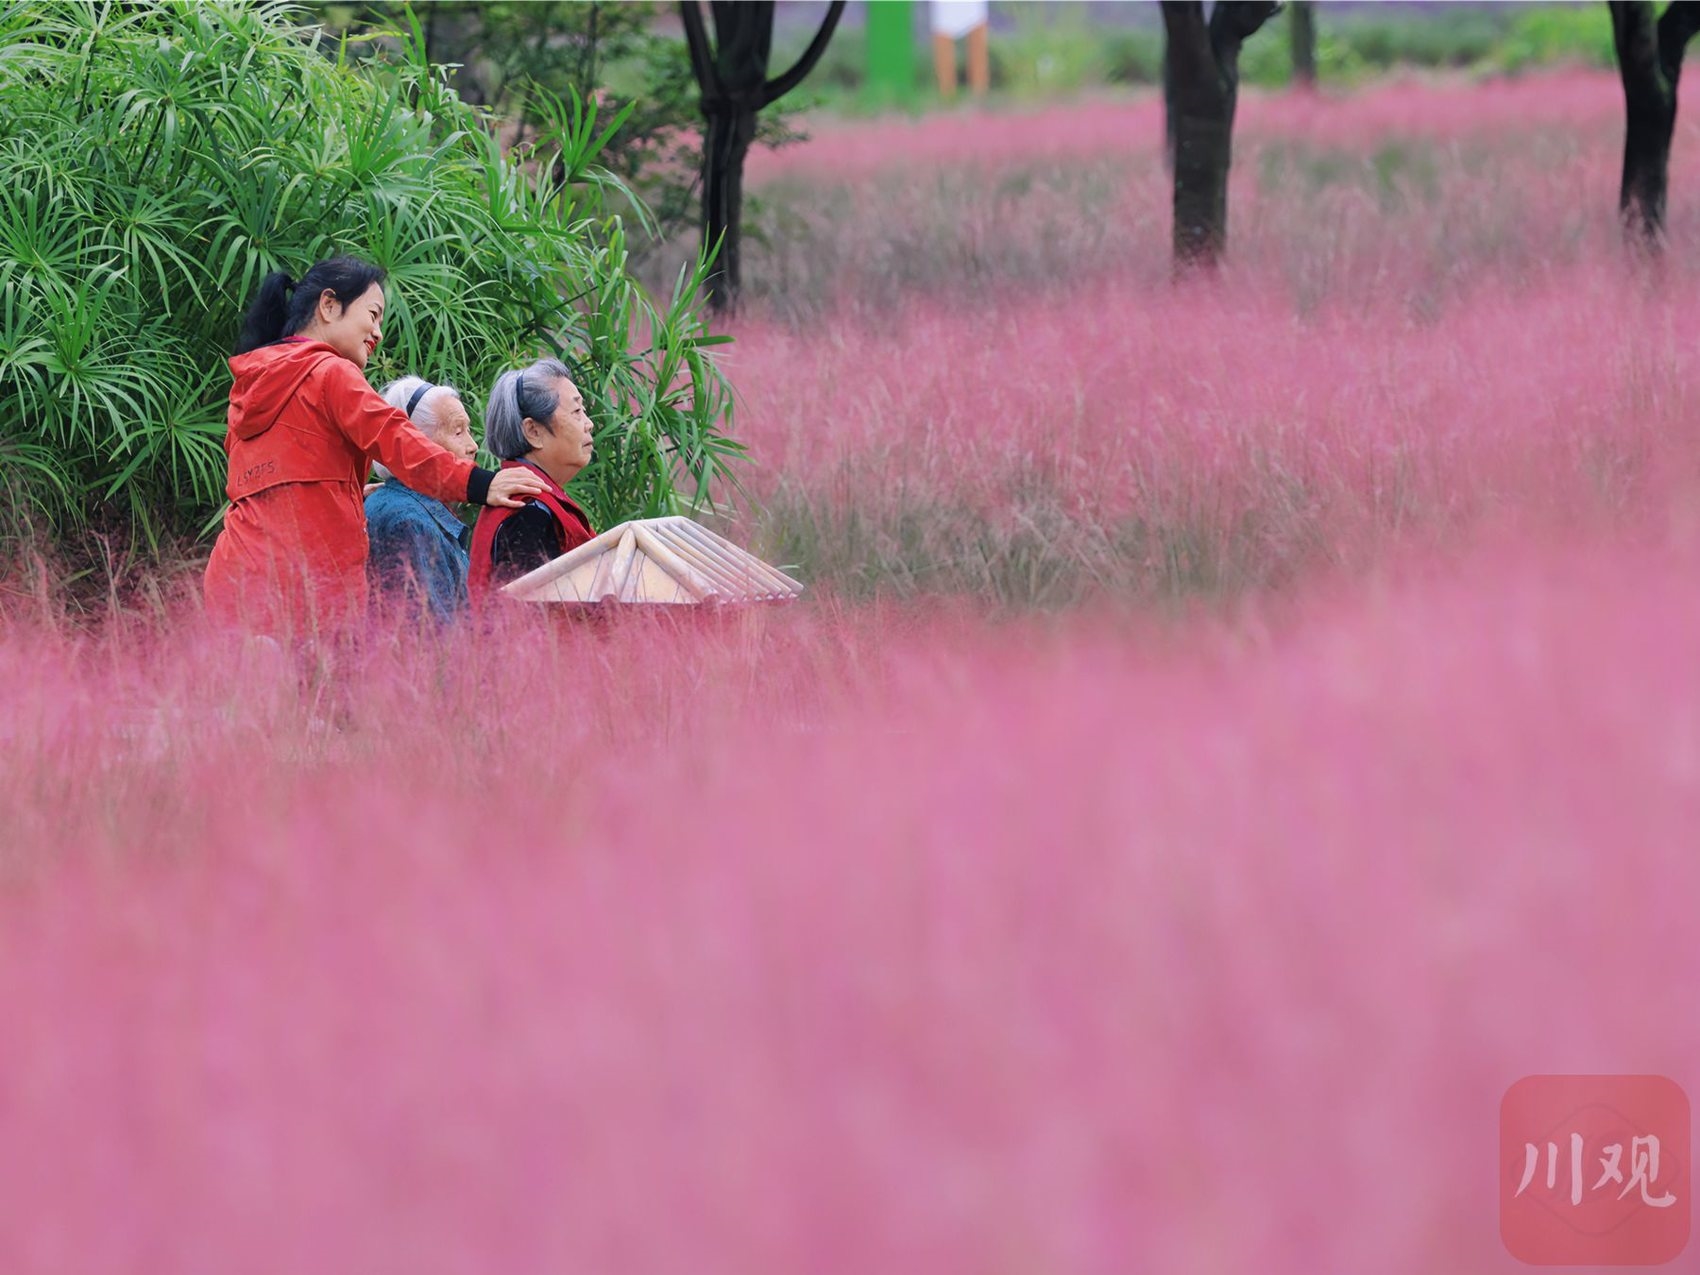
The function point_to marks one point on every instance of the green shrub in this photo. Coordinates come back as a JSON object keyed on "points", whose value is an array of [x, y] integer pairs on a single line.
{"points": [[1541, 35], [156, 160], [1266, 60], [1132, 56], [1454, 39]]}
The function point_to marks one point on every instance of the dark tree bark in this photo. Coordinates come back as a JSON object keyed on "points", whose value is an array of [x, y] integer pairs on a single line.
{"points": [[731, 72], [1169, 113], [451, 36], [1201, 90], [1649, 59], [1301, 14]]}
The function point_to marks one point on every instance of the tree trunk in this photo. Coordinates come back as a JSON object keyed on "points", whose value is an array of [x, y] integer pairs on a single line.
{"points": [[732, 74], [1170, 113], [1201, 89], [725, 146], [1203, 153], [1301, 17], [1646, 169], [1649, 60]]}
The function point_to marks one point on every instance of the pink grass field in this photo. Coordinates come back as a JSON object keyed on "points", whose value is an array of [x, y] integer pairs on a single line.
{"points": [[1439, 109], [1233, 734], [933, 947]]}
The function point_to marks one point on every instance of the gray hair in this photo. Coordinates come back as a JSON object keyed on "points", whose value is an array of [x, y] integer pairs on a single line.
{"points": [[427, 414], [507, 408]]}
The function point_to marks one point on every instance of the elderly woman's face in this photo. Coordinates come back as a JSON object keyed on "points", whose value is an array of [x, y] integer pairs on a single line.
{"points": [[561, 447], [454, 427]]}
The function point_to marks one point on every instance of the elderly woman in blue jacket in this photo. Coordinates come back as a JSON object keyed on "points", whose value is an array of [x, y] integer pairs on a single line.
{"points": [[418, 544]]}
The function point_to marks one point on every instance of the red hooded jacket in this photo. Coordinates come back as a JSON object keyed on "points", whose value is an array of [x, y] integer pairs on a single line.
{"points": [[304, 428]]}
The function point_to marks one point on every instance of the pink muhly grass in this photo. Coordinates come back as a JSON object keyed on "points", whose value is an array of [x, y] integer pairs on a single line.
{"points": [[1061, 949], [1438, 109], [1214, 417], [859, 936], [1421, 190], [974, 375]]}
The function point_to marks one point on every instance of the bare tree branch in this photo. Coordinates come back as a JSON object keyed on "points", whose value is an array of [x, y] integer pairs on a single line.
{"points": [[778, 88], [1677, 25], [696, 39], [1233, 22]]}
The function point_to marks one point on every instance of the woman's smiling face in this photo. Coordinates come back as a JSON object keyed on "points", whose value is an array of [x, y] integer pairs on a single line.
{"points": [[352, 330]]}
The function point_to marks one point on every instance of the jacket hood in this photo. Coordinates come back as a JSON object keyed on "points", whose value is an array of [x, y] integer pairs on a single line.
{"points": [[266, 379]]}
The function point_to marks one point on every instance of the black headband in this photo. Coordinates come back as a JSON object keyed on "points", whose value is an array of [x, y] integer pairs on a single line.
{"points": [[418, 394]]}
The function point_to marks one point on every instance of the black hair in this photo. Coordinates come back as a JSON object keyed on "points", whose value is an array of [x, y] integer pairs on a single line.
{"points": [[282, 307]]}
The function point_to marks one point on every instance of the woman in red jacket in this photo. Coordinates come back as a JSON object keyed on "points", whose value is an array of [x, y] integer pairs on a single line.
{"points": [[304, 429], [536, 422]]}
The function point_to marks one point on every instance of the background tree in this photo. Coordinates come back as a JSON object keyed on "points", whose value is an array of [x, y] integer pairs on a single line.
{"points": [[1649, 59], [156, 160], [1201, 89], [731, 72], [1301, 31], [519, 59]]}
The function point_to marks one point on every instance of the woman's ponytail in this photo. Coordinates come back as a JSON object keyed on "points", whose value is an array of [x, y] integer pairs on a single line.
{"points": [[268, 314]]}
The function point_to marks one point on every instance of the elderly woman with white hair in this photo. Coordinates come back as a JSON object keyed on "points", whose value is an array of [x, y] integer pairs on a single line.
{"points": [[417, 542]]}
